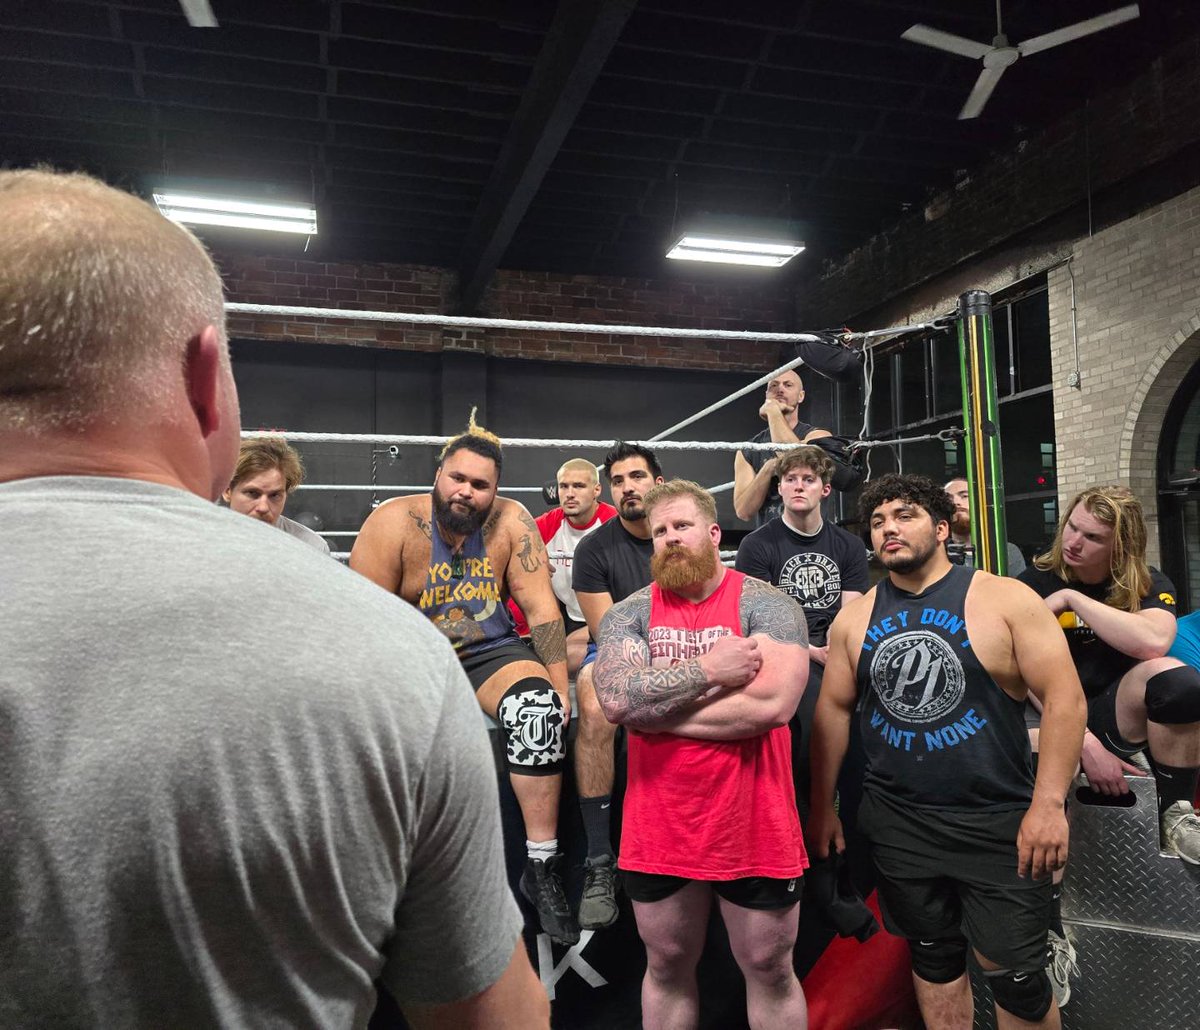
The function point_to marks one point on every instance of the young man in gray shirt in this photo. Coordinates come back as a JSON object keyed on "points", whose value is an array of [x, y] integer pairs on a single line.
{"points": [[239, 784]]}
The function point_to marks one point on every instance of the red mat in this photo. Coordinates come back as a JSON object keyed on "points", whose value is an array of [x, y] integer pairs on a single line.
{"points": [[865, 986]]}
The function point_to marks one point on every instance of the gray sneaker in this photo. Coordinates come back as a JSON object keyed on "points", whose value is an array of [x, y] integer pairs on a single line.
{"points": [[1181, 832], [1061, 968], [598, 906]]}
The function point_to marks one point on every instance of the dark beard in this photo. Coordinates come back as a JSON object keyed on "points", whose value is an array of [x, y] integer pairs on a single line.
{"points": [[912, 562], [634, 515], [678, 573], [449, 519]]}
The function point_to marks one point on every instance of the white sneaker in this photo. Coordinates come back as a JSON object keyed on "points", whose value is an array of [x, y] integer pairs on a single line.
{"points": [[1181, 831], [1061, 968]]}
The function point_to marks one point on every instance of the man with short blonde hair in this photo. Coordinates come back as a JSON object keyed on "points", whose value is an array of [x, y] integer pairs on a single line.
{"points": [[579, 513], [231, 802]]}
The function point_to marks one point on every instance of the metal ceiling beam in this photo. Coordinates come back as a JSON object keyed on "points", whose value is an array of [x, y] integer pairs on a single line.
{"points": [[576, 47]]}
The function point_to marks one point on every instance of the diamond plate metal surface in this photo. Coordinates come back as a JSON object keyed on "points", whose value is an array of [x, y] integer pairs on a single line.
{"points": [[1134, 917], [1116, 876]]}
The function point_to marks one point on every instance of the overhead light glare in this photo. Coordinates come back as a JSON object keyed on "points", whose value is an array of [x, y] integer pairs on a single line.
{"points": [[199, 14], [192, 209], [732, 251]]}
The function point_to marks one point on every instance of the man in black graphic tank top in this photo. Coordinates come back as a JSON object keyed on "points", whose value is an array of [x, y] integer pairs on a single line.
{"points": [[935, 662]]}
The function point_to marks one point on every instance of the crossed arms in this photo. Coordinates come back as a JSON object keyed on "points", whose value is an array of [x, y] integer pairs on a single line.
{"points": [[742, 687]]}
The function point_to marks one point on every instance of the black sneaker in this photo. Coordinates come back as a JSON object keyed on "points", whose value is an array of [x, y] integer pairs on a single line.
{"points": [[542, 886], [598, 906]]}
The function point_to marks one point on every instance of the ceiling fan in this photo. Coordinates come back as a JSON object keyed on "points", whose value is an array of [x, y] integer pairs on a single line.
{"points": [[1001, 53]]}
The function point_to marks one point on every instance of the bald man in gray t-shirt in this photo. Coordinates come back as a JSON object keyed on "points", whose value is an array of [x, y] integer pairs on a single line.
{"points": [[239, 783]]}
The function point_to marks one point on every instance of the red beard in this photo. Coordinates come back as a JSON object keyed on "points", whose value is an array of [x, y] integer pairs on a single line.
{"points": [[679, 567]]}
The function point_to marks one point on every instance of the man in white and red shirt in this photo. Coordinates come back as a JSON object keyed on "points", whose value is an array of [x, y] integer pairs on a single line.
{"points": [[579, 512], [704, 668]]}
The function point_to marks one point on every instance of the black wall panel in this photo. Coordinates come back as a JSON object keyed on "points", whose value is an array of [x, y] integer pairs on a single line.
{"points": [[339, 389]]}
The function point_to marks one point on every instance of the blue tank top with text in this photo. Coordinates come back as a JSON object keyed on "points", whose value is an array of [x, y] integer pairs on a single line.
{"points": [[462, 597], [938, 731]]}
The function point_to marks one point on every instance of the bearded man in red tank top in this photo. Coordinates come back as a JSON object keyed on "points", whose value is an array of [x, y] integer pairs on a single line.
{"points": [[704, 668]]}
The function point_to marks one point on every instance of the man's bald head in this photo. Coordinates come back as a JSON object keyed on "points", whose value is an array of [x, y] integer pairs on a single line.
{"points": [[100, 296]]}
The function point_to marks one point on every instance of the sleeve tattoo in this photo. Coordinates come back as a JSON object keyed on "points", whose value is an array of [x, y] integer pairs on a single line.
{"points": [[768, 611], [549, 642], [629, 689]]}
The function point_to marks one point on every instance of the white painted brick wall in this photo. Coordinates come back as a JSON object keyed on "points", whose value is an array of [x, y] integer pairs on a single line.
{"points": [[1137, 295]]}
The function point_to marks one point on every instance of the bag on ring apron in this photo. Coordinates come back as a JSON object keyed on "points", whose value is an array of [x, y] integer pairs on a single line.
{"points": [[831, 358], [848, 468]]}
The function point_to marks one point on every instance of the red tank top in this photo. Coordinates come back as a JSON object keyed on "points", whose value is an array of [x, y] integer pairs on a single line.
{"points": [[708, 810]]}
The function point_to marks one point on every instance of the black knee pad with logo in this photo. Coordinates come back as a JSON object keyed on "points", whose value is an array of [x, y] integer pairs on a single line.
{"points": [[533, 719]]}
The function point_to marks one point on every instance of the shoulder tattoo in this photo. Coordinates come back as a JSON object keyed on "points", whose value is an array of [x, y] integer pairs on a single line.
{"points": [[764, 609], [422, 524]]}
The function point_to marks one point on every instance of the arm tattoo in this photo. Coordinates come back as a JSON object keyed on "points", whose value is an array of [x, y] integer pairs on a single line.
{"points": [[422, 524], [630, 691], [549, 642], [528, 523], [530, 549], [763, 609], [530, 560]]}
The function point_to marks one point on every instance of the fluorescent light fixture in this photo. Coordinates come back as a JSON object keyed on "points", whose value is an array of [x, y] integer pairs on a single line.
{"points": [[193, 209], [730, 250], [199, 14]]}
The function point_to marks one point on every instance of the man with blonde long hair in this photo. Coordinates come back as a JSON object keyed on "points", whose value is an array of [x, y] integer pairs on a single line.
{"points": [[1118, 614], [227, 762]]}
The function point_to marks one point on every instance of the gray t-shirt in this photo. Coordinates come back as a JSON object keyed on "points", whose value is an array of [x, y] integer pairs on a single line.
{"points": [[238, 782], [302, 533]]}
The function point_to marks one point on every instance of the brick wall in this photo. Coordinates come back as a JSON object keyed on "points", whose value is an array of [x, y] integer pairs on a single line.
{"points": [[1124, 131], [534, 296], [1137, 298]]}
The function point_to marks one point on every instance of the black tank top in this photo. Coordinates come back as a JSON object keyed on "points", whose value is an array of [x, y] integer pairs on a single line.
{"points": [[938, 731]]}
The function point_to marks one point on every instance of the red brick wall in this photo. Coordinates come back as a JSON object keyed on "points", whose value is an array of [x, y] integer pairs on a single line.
{"points": [[536, 296]]}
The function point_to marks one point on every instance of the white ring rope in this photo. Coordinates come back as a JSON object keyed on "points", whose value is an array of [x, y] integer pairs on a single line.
{"points": [[473, 322], [439, 441], [465, 322], [717, 405]]}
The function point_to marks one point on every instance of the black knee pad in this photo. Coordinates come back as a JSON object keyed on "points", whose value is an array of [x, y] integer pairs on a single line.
{"points": [[1173, 696], [939, 961], [1024, 993], [533, 719]]}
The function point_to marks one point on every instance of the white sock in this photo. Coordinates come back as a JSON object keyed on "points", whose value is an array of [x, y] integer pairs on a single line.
{"points": [[543, 850]]}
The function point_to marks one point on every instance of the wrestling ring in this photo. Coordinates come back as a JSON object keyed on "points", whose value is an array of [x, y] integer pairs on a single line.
{"points": [[1123, 900]]}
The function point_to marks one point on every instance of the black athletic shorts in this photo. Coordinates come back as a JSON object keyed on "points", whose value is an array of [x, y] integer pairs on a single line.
{"points": [[483, 666], [1102, 721], [953, 875], [759, 892]]}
